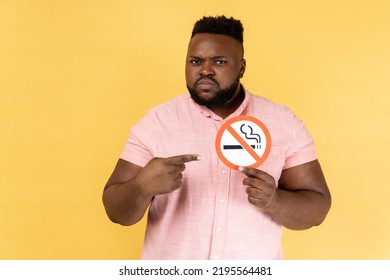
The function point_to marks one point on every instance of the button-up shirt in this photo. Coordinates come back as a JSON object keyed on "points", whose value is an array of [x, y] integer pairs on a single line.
{"points": [[210, 216]]}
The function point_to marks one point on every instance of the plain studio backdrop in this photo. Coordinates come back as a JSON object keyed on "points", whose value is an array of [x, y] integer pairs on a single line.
{"points": [[76, 75]]}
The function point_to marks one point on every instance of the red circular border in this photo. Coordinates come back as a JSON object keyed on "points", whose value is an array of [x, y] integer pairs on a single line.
{"points": [[236, 119]]}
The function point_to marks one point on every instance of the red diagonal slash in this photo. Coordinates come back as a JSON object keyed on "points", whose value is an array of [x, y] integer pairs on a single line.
{"points": [[244, 144]]}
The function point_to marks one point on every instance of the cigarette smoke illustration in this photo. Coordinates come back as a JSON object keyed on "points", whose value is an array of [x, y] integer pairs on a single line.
{"points": [[250, 135], [247, 131]]}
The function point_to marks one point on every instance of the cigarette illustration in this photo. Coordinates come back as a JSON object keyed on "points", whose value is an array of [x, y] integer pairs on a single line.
{"points": [[235, 147]]}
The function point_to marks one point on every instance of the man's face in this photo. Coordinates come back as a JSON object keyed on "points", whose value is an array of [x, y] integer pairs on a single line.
{"points": [[214, 66]]}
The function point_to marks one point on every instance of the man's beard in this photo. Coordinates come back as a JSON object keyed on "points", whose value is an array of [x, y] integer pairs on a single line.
{"points": [[220, 98]]}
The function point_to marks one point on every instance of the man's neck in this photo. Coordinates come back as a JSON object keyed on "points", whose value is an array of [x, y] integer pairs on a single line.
{"points": [[230, 106]]}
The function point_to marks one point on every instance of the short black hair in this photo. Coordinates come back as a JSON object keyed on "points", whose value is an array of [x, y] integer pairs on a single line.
{"points": [[220, 25]]}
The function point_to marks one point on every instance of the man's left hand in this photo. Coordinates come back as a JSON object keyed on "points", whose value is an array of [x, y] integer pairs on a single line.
{"points": [[261, 187]]}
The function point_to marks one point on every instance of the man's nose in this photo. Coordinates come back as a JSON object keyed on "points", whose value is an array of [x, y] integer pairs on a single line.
{"points": [[207, 68]]}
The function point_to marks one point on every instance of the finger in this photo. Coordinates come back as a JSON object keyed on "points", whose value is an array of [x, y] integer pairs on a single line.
{"points": [[260, 203], [178, 181], [260, 199], [175, 169], [251, 181], [256, 173], [181, 159], [254, 192], [257, 187]]}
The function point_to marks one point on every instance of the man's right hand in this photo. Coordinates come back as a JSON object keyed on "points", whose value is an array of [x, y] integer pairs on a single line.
{"points": [[163, 175]]}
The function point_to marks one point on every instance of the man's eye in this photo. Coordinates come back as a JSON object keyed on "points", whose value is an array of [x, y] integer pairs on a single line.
{"points": [[195, 61], [220, 62]]}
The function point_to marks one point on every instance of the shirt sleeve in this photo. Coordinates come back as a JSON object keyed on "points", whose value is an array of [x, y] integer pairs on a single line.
{"points": [[302, 147], [138, 148]]}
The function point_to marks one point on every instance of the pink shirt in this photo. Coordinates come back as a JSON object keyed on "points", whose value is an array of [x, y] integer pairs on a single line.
{"points": [[210, 217]]}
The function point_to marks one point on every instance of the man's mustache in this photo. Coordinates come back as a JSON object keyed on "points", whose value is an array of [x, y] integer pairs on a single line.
{"points": [[206, 79]]}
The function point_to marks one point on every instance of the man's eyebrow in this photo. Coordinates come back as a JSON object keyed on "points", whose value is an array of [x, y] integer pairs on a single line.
{"points": [[208, 58]]}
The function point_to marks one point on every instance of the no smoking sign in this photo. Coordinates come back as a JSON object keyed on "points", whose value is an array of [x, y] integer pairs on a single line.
{"points": [[243, 141]]}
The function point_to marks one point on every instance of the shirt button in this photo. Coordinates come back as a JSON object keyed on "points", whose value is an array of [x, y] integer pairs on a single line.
{"points": [[219, 229], [223, 171], [222, 200], [216, 257]]}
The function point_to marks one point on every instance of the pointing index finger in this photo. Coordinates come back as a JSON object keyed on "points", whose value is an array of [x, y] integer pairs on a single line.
{"points": [[181, 159]]}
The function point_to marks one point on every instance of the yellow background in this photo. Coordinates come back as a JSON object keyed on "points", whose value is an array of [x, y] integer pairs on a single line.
{"points": [[76, 75]]}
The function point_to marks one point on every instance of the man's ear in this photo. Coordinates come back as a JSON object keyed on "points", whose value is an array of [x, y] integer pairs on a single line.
{"points": [[243, 66]]}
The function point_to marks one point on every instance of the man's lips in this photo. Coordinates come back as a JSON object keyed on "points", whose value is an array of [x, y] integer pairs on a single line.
{"points": [[206, 83]]}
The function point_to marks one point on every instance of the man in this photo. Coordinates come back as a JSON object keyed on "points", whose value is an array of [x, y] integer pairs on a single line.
{"points": [[198, 207]]}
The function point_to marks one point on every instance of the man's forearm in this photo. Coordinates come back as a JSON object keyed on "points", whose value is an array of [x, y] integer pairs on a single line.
{"points": [[125, 204], [299, 210]]}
